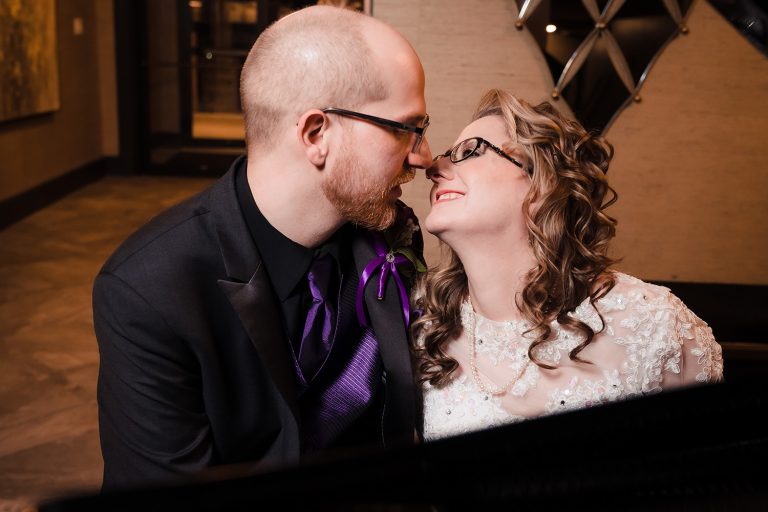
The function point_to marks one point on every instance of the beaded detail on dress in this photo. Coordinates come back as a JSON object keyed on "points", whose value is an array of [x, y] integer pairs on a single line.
{"points": [[651, 341]]}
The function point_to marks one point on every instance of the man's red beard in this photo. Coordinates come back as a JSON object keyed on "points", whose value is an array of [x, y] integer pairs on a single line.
{"points": [[360, 195]]}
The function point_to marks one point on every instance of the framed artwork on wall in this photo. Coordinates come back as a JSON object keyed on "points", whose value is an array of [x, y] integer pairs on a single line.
{"points": [[29, 73]]}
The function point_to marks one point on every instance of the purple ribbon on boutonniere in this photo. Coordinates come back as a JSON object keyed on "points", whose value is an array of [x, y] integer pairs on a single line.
{"points": [[386, 262]]}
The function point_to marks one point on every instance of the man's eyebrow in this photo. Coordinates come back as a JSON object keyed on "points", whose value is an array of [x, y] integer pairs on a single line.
{"points": [[415, 119]]}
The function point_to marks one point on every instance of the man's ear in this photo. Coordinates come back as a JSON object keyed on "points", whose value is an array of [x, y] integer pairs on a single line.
{"points": [[312, 132]]}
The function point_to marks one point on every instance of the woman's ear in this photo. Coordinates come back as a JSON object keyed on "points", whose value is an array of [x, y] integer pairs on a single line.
{"points": [[312, 133]]}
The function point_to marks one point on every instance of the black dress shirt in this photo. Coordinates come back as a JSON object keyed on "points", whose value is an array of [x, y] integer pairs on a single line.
{"points": [[286, 261]]}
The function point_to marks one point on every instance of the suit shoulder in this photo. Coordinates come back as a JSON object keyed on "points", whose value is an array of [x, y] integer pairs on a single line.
{"points": [[162, 232]]}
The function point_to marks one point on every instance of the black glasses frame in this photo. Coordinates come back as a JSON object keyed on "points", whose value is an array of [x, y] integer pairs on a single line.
{"points": [[451, 153], [396, 125]]}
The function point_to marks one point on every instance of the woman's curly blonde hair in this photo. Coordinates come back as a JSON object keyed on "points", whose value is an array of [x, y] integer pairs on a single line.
{"points": [[568, 231]]}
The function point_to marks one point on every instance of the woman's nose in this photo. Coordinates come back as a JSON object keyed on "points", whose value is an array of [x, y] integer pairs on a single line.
{"points": [[440, 168]]}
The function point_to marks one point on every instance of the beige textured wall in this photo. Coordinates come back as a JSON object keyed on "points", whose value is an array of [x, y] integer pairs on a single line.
{"points": [[37, 149], [690, 166], [690, 163]]}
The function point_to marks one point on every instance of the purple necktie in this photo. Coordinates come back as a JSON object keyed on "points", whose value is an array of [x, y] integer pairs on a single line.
{"points": [[318, 332]]}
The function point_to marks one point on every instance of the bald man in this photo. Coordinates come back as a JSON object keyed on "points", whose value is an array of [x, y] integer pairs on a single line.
{"points": [[236, 327]]}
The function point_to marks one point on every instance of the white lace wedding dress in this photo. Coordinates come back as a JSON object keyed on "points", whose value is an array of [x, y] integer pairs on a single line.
{"points": [[651, 341]]}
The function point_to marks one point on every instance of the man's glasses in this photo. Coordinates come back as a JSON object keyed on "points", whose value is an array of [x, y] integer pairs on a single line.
{"points": [[471, 147], [395, 125]]}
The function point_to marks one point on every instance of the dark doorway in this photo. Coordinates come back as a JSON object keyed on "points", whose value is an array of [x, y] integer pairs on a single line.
{"points": [[179, 67]]}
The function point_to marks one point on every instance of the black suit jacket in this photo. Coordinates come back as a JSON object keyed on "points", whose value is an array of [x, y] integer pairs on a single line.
{"points": [[195, 366]]}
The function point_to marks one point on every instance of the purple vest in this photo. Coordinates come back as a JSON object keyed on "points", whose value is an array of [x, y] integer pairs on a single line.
{"points": [[348, 380]]}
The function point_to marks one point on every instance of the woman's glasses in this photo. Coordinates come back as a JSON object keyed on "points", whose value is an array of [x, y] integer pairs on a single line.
{"points": [[471, 147]]}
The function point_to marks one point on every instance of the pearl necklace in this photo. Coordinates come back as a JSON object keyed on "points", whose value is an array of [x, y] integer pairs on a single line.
{"points": [[503, 390]]}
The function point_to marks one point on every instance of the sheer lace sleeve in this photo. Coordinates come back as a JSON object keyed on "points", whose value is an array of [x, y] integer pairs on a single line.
{"points": [[701, 357], [667, 345]]}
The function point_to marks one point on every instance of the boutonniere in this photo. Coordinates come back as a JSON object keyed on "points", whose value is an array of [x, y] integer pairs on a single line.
{"points": [[397, 256]]}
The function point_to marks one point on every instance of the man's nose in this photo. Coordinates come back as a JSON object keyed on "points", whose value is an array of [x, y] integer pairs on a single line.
{"points": [[422, 158]]}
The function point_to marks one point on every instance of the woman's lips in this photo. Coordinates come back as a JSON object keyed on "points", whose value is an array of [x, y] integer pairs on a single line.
{"points": [[447, 195]]}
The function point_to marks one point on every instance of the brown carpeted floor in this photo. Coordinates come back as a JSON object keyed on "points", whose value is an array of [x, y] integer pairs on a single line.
{"points": [[48, 354]]}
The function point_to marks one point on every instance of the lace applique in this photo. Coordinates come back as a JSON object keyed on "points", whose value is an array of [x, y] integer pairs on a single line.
{"points": [[504, 343], [657, 333], [708, 353], [498, 342], [584, 393], [526, 381], [460, 407], [709, 356], [611, 303], [589, 315]]}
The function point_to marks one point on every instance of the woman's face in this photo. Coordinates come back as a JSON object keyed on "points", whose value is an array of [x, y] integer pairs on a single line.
{"points": [[482, 195]]}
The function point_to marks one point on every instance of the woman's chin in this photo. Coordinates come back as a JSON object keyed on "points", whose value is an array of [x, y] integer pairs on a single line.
{"points": [[433, 224]]}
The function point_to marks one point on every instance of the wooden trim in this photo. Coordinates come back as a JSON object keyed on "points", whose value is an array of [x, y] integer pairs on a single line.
{"points": [[757, 352], [20, 206]]}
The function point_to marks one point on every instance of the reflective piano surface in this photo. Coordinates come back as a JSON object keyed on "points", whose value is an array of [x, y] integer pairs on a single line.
{"points": [[701, 448]]}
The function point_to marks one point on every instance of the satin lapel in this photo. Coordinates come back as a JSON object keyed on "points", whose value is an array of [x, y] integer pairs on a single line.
{"points": [[248, 288], [254, 304], [386, 318]]}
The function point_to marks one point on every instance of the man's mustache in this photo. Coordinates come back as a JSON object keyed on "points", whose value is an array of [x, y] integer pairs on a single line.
{"points": [[408, 174]]}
